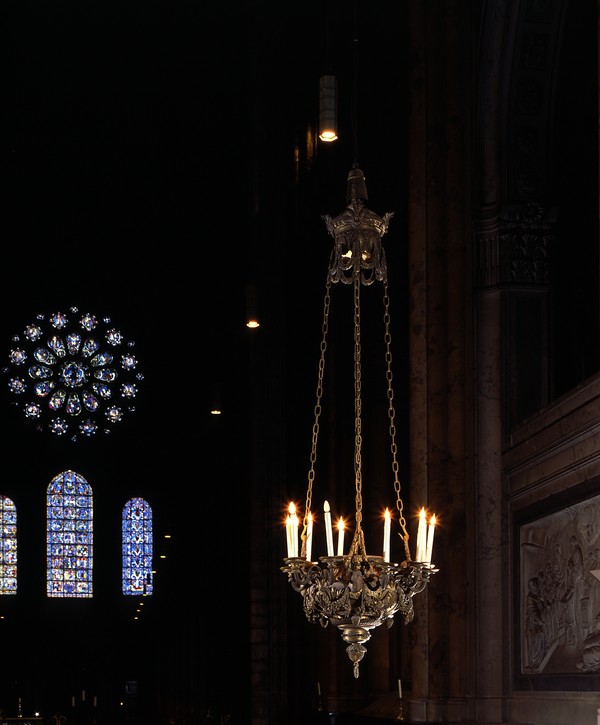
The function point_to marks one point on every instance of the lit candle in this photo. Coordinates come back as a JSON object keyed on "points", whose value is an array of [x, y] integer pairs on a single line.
{"points": [[430, 533], [421, 536], [295, 529], [328, 529], [340, 526], [309, 535], [288, 532], [386, 535], [400, 689]]}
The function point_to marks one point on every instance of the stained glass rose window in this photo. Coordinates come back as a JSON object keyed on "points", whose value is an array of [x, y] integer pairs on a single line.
{"points": [[73, 374]]}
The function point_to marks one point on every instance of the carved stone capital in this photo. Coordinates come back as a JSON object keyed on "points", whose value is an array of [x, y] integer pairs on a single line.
{"points": [[515, 248]]}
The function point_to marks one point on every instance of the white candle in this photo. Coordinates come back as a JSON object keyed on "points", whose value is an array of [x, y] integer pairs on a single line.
{"points": [[598, 716], [340, 526], [430, 534], [73, 701], [386, 535], [421, 536], [83, 696], [319, 688], [295, 529], [288, 532], [95, 701], [328, 529], [309, 536], [400, 689]]}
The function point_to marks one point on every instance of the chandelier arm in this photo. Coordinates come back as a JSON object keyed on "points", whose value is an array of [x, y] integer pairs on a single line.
{"points": [[392, 418]]}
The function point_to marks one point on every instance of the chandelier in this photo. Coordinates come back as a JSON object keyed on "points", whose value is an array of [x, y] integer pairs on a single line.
{"points": [[356, 591]]}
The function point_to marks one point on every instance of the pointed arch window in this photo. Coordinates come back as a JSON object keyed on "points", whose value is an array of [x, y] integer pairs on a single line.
{"points": [[8, 546], [69, 532], [137, 547]]}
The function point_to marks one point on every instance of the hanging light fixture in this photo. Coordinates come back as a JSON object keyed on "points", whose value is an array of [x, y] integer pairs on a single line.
{"points": [[328, 95], [356, 591], [328, 108], [252, 320]]}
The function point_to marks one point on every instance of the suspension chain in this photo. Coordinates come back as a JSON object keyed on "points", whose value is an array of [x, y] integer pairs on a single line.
{"points": [[317, 412], [392, 417], [358, 541]]}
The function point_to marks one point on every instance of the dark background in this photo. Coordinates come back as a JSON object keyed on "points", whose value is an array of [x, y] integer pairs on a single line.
{"points": [[157, 172]]}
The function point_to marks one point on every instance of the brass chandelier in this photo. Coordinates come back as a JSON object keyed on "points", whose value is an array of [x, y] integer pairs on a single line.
{"points": [[356, 591]]}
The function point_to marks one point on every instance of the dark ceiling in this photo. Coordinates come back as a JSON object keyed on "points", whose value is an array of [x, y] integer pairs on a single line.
{"points": [[150, 161]]}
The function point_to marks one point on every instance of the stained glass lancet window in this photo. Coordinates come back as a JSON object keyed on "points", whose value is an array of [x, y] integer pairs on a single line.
{"points": [[8, 546], [137, 547], [69, 536]]}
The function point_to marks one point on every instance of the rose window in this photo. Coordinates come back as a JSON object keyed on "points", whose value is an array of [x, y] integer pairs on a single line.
{"points": [[73, 374]]}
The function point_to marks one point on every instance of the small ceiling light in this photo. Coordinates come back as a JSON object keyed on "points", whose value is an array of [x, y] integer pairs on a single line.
{"points": [[328, 108], [252, 320], [215, 402]]}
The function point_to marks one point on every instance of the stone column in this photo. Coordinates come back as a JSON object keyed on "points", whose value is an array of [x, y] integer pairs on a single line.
{"points": [[439, 302], [488, 475]]}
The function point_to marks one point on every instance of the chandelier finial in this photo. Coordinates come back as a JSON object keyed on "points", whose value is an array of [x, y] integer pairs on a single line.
{"points": [[357, 186]]}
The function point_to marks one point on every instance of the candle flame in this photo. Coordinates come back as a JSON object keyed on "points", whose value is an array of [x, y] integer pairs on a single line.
{"points": [[386, 513], [340, 524], [310, 518], [432, 520], [292, 508], [422, 512]]}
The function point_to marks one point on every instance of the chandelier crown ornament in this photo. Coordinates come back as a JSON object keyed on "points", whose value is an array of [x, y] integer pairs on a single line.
{"points": [[356, 592], [357, 232]]}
